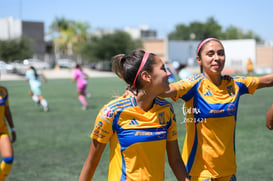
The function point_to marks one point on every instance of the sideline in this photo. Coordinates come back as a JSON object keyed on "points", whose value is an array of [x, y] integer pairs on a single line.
{"points": [[57, 74]]}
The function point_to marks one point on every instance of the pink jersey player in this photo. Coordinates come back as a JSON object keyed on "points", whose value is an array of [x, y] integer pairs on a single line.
{"points": [[81, 77]]}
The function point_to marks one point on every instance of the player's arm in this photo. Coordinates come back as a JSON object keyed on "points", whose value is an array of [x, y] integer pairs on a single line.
{"points": [[86, 75], [265, 81], [74, 76], [43, 77], [269, 118], [175, 161], [8, 117], [90, 165]]}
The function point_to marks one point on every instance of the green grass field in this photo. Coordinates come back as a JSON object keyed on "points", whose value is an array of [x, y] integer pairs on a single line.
{"points": [[53, 146]]}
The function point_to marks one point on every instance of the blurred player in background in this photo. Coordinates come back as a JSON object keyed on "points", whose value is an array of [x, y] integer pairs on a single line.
{"points": [[140, 128], [6, 149], [35, 83], [81, 77], [249, 67]]}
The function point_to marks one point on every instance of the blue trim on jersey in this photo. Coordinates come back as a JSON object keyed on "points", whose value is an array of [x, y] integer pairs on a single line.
{"points": [[233, 178], [161, 102], [133, 101], [3, 100], [115, 121], [8, 160], [193, 152], [128, 137], [243, 89], [169, 123], [118, 103], [191, 92], [208, 110], [123, 174]]}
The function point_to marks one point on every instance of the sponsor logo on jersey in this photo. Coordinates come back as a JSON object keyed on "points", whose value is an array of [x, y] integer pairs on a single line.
{"points": [[208, 93], [133, 122]]}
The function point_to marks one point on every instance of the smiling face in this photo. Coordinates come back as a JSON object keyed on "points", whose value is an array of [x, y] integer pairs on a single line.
{"points": [[212, 58], [158, 78]]}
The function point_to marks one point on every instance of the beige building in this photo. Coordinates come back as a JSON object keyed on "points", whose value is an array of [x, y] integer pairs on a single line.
{"points": [[264, 57], [263, 63], [159, 47]]}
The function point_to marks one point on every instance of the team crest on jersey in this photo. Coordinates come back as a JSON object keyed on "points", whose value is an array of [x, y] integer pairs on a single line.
{"points": [[231, 91], [161, 118], [108, 113]]}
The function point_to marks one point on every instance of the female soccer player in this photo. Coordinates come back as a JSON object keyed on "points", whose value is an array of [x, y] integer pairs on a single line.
{"points": [[211, 103], [35, 82], [6, 150], [81, 77], [140, 128]]}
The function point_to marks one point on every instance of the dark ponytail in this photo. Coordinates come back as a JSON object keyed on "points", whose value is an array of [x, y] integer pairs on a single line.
{"points": [[126, 66], [35, 72]]}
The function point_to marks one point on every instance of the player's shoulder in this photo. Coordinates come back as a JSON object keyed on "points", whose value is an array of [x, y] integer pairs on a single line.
{"points": [[233, 78], [114, 106], [119, 103], [242, 78], [162, 101], [191, 80], [195, 77], [3, 91]]}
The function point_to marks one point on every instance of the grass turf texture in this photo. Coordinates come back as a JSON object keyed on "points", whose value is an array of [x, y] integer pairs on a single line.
{"points": [[54, 145]]}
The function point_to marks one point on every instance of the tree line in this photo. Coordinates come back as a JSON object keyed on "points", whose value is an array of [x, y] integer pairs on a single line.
{"points": [[71, 37]]}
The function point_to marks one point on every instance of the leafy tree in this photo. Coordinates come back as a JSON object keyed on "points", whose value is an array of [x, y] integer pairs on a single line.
{"points": [[212, 28], [16, 49], [68, 35], [233, 32], [198, 31], [108, 45], [181, 33]]}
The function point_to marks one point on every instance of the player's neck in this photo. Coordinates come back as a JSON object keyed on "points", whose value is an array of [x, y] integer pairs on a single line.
{"points": [[215, 78], [144, 101]]}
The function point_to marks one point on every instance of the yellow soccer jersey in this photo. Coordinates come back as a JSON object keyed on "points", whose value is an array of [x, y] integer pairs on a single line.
{"points": [[137, 138], [209, 146], [3, 103]]}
